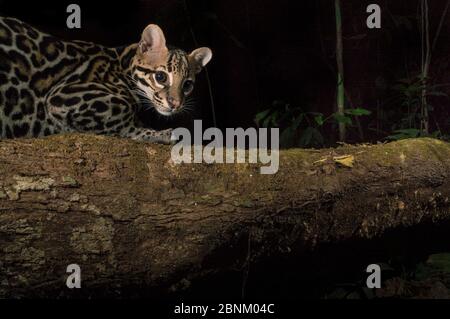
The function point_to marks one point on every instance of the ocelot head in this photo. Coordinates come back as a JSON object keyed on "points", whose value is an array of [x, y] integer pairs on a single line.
{"points": [[166, 77]]}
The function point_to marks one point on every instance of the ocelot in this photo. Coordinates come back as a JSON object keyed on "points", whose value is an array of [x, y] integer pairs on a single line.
{"points": [[49, 86]]}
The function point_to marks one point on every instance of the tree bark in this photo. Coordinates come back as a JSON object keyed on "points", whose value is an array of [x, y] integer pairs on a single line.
{"points": [[126, 214]]}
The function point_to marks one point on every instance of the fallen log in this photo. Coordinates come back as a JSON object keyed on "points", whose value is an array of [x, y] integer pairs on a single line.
{"points": [[126, 214]]}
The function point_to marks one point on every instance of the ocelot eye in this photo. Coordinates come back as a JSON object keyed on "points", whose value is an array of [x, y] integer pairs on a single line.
{"points": [[188, 86], [161, 77]]}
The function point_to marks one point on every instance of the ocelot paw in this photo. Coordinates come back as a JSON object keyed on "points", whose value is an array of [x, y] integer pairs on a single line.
{"points": [[167, 137]]}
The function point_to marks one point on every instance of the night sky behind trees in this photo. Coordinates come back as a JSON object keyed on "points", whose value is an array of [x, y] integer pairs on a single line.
{"points": [[279, 57]]}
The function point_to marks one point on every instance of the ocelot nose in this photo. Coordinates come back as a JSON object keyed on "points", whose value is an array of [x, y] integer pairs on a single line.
{"points": [[174, 103]]}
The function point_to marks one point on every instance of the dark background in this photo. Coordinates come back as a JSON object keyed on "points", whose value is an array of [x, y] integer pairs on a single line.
{"points": [[267, 51]]}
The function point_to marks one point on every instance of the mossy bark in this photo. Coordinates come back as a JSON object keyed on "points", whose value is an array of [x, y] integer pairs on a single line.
{"points": [[126, 214]]}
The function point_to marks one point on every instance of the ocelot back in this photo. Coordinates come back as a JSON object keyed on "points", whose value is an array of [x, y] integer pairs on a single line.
{"points": [[49, 86]]}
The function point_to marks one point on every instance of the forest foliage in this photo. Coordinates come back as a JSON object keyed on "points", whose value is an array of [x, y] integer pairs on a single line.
{"points": [[412, 99]]}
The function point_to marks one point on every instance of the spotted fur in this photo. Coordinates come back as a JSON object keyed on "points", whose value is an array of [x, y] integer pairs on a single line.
{"points": [[49, 86]]}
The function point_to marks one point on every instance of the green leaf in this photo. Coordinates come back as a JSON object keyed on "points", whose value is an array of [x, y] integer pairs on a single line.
{"points": [[396, 137], [358, 112], [413, 132], [440, 262], [270, 119], [275, 118], [266, 121], [436, 134], [404, 134], [342, 119], [261, 115], [319, 119]]}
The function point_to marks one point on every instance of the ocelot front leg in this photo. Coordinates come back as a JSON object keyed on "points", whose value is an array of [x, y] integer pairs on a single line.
{"points": [[95, 108]]}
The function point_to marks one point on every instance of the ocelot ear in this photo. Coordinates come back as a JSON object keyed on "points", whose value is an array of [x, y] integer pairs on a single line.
{"points": [[199, 58], [153, 42]]}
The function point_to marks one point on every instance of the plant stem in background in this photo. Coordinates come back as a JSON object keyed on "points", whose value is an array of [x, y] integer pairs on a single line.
{"points": [[340, 66], [333, 70], [426, 59], [427, 51]]}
